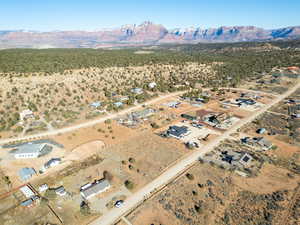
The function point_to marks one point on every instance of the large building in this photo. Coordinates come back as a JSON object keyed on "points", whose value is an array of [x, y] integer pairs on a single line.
{"points": [[30, 150], [92, 189]]}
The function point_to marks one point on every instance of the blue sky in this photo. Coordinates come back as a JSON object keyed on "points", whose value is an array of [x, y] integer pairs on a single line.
{"points": [[48, 15]]}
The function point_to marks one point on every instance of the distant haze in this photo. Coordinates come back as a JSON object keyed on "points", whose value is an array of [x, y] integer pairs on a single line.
{"points": [[147, 33]]}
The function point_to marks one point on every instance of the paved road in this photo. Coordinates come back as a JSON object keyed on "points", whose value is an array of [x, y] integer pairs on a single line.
{"points": [[89, 123], [115, 214]]}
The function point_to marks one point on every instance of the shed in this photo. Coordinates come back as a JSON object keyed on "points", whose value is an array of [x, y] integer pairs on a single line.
{"points": [[27, 203], [261, 130]]}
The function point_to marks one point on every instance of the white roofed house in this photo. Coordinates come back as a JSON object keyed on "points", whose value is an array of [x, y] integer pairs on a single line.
{"points": [[137, 91], [152, 85], [27, 191], [25, 114], [91, 189], [51, 163], [30, 150]]}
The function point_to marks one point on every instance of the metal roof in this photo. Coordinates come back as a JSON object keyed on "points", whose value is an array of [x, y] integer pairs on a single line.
{"points": [[95, 188], [26, 173], [29, 148]]}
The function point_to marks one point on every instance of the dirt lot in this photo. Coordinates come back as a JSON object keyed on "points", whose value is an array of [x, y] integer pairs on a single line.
{"points": [[213, 196], [28, 216]]}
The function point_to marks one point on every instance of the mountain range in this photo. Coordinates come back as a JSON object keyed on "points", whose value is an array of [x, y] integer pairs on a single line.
{"points": [[146, 33]]}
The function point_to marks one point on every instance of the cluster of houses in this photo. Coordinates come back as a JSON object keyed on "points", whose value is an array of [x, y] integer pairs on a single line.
{"points": [[236, 159], [31, 197], [33, 150]]}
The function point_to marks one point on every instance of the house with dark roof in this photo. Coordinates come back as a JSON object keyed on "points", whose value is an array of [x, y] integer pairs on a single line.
{"points": [[177, 131]]}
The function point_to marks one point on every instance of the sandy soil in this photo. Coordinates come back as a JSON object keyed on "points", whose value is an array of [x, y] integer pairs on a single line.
{"points": [[270, 179]]}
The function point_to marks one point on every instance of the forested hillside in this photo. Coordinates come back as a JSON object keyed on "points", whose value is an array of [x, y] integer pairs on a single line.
{"points": [[238, 60]]}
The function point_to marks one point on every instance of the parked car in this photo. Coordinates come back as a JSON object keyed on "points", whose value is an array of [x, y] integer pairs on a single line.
{"points": [[119, 203]]}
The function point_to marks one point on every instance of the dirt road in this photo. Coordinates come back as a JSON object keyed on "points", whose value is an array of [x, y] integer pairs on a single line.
{"points": [[89, 123], [133, 201]]}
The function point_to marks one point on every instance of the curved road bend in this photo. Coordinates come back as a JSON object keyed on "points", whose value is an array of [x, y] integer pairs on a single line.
{"points": [[166, 177], [89, 123]]}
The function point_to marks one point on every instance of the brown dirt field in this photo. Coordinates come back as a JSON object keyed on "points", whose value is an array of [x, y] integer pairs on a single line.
{"points": [[85, 150], [270, 179], [85, 135], [149, 214], [28, 216], [175, 204], [283, 150]]}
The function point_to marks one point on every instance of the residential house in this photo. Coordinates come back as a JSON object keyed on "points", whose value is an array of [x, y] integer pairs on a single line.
{"points": [[188, 117], [30, 150], [152, 85], [264, 143], [137, 91], [245, 101], [43, 187], [30, 202], [261, 130], [95, 104], [260, 142], [89, 190], [118, 104], [142, 114], [239, 159], [178, 132], [27, 191], [173, 104], [25, 114]]}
